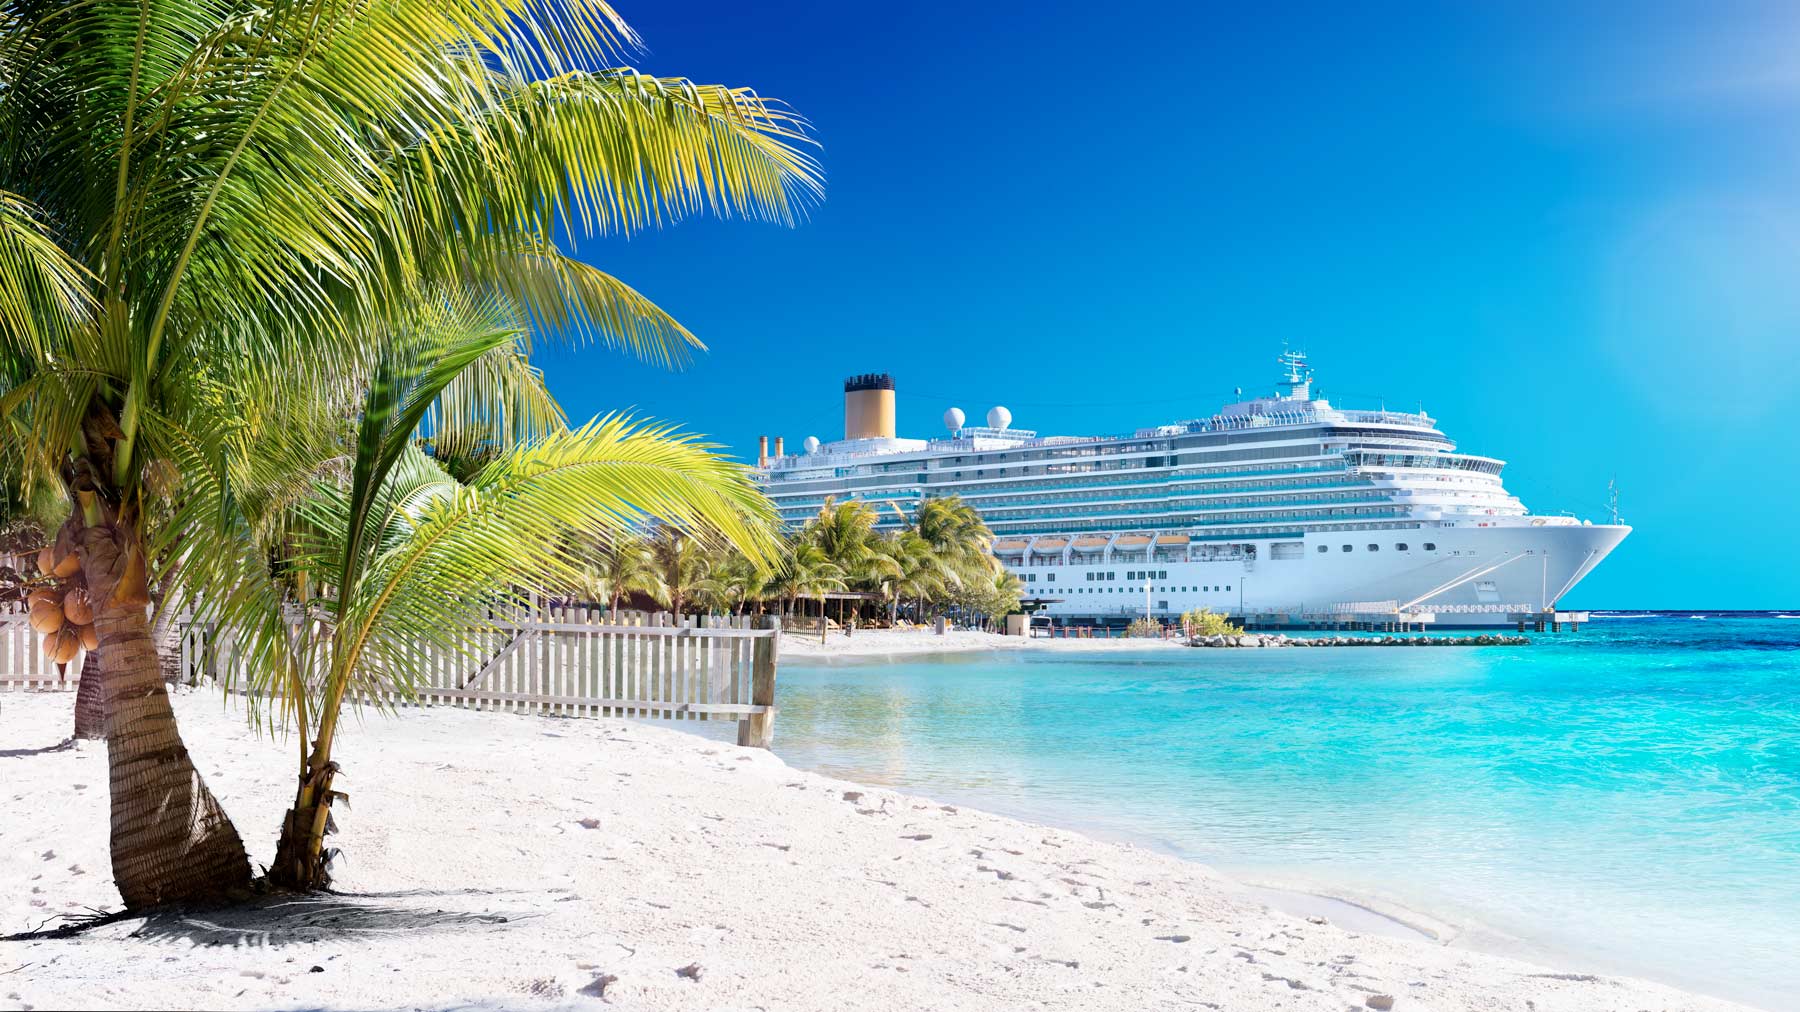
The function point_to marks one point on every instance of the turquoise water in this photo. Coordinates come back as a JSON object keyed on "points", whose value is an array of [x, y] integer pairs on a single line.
{"points": [[1622, 799]]}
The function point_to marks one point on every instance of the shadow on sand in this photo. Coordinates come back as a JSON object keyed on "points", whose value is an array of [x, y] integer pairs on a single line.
{"points": [[14, 753], [276, 921]]}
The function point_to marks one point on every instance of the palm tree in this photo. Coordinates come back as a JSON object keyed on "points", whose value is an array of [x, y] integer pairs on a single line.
{"points": [[1005, 591], [918, 571], [188, 187], [721, 586], [805, 571], [626, 567], [956, 533], [411, 552], [679, 560], [845, 533]]}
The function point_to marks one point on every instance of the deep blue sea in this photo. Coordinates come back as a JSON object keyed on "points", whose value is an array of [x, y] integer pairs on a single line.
{"points": [[1625, 798]]}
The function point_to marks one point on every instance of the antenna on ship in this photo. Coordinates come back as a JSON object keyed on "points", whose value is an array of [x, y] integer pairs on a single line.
{"points": [[1298, 381], [1612, 499]]}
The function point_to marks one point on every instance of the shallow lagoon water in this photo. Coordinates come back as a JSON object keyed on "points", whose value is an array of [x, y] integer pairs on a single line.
{"points": [[1624, 799]]}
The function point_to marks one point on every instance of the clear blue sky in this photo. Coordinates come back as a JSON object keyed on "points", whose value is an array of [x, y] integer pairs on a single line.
{"points": [[1573, 234]]}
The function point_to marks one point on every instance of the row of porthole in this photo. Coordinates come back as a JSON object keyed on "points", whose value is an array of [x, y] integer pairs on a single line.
{"points": [[1219, 588], [1399, 546]]}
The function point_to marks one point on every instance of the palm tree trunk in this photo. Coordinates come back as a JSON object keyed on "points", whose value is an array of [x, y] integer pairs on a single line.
{"points": [[300, 855], [90, 699], [164, 631], [171, 842]]}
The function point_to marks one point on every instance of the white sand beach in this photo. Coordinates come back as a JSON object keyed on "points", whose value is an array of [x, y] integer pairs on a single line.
{"points": [[902, 642], [507, 861]]}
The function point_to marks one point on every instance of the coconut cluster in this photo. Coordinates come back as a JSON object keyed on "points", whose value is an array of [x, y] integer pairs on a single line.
{"points": [[61, 609]]}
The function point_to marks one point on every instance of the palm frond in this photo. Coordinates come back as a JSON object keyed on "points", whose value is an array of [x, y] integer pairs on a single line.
{"points": [[44, 293]]}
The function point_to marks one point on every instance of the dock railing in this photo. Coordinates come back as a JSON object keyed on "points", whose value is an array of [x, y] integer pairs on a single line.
{"points": [[562, 659]]}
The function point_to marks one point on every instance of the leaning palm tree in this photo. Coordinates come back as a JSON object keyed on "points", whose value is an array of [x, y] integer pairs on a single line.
{"points": [[410, 554], [189, 185]]}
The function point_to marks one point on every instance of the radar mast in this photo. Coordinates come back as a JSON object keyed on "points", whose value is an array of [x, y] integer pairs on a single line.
{"points": [[1296, 383]]}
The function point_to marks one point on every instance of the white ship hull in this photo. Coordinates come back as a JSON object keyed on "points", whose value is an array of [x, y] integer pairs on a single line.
{"points": [[1474, 576]]}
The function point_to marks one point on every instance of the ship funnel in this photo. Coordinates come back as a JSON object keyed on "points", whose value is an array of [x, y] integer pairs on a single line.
{"points": [[869, 406]]}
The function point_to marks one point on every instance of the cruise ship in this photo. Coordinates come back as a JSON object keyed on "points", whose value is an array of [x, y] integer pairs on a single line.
{"points": [[1282, 510]]}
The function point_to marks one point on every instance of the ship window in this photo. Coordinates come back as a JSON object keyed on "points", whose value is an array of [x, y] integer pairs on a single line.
{"points": [[1400, 546], [1109, 576], [1346, 548], [1050, 578], [1323, 548], [1162, 574], [1228, 588], [1374, 548], [1430, 546]]}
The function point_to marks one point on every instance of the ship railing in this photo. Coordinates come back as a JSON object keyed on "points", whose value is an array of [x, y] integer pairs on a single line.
{"points": [[1389, 417]]}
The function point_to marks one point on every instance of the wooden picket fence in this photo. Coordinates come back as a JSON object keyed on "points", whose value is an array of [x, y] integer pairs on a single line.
{"points": [[569, 660], [22, 661]]}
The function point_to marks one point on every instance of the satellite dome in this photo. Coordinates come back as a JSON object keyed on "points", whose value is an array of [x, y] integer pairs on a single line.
{"points": [[811, 444], [999, 418], [954, 418]]}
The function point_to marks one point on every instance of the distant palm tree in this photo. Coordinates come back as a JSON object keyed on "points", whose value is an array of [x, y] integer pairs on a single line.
{"points": [[845, 532], [952, 528], [1007, 589], [731, 582], [679, 560], [626, 567], [807, 572], [918, 572], [959, 538]]}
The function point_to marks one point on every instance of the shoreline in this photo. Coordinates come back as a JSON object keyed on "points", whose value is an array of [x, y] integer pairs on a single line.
{"points": [[865, 643], [1302, 890], [569, 851], [894, 644]]}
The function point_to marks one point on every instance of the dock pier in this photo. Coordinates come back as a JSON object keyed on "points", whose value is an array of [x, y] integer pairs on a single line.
{"points": [[1385, 617]]}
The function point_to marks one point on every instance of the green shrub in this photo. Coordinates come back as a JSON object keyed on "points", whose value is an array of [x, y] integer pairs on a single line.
{"points": [[1202, 622], [1143, 628]]}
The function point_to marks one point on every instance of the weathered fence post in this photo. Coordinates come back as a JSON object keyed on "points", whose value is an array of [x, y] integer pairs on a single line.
{"points": [[758, 729]]}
